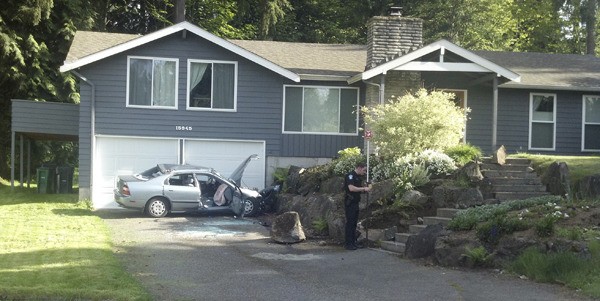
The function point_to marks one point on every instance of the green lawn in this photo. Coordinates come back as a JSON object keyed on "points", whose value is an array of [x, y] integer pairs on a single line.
{"points": [[54, 247], [579, 166]]}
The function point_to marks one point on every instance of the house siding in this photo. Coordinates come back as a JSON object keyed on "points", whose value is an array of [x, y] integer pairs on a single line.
{"points": [[258, 115], [513, 114]]}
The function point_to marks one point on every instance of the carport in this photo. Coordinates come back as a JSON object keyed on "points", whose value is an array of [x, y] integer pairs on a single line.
{"points": [[37, 120]]}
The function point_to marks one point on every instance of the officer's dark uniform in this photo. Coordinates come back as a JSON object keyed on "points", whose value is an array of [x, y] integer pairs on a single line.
{"points": [[351, 201]]}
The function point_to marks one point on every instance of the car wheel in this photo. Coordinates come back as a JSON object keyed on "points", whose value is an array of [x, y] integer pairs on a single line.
{"points": [[251, 207], [156, 207]]}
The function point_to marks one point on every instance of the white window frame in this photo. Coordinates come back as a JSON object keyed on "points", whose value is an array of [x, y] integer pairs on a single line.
{"points": [[302, 117], [531, 121], [464, 139], [583, 124], [212, 62], [174, 107]]}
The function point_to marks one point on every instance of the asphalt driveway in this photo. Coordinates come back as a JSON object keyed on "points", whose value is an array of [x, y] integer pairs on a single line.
{"points": [[196, 257]]}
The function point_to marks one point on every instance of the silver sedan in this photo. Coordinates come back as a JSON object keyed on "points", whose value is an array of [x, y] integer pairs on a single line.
{"points": [[173, 188]]}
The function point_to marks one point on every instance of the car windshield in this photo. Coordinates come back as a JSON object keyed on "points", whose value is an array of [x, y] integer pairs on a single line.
{"points": [[150, 173]]}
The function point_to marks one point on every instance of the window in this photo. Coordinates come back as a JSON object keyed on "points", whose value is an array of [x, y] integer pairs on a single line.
{"points": [[320, 110], [591, 123], [542, 126], [212, 85], [152, 82]]}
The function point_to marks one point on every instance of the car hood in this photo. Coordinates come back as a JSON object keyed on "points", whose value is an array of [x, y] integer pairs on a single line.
{"points": [[236, 175], [249, 192]]}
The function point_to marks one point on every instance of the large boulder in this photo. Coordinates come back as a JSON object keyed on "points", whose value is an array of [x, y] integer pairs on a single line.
{"points": [[415, 198], [499, 156], [556, 179], [589, 187], [470, 171], [456, 197], [451, 250], [423, 244], [286, 228], [317, 207]]}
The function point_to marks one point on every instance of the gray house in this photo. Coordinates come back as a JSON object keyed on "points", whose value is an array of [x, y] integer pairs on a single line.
{"points": [[184, 95]]}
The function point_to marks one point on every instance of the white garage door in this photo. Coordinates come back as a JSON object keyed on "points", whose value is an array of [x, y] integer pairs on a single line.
{"points": [[126, 155], [225, 156]]}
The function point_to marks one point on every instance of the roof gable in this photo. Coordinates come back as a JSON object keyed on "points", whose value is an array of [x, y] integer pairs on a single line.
{"points": [[183, 26], [469, 62]]}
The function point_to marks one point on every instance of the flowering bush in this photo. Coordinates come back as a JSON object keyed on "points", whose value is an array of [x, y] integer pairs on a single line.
{"points": [[414, 123], [347, 160], [435, 163]]}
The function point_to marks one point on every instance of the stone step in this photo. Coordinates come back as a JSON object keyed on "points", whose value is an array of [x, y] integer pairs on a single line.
{"points": [[415, 229], [513, 167], [515, 181], [392, 246], [402, 237], [506, 196], [511, 174], [522, 161], [519, 188], [447, 212], [434, 220]]}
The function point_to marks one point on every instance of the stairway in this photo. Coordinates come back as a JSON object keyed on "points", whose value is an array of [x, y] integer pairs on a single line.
{"points": [[443, 216], [514, 180]]}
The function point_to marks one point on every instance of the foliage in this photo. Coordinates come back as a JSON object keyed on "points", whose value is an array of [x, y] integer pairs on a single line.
{"points": [[563, 267], [280, 175], [320, 225], [544, 227], [347, 160], [415, 123], [478, 256], [463, 153], [467, 219], [491, 231], [57, 249]]}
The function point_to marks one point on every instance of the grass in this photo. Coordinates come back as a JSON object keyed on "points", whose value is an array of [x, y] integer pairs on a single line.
{"points": [[54, 247], [565, 267], [579, 166]]}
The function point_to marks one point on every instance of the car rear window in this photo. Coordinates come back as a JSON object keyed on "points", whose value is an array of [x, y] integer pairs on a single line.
{"points": [[151, 173]]}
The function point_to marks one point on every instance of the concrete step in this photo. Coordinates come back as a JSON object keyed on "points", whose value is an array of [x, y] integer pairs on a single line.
{"points": [[509, 161], [392, 246], [434, 220], [402, 237], [515, 181], [506, 196], [519, 188], [511, 174], [447, 212], [514, 167], [415, 229]]}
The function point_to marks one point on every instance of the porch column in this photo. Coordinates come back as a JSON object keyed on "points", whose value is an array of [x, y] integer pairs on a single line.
{"points": [[28, 163], [21, 159], [12, 160], [495, 114]]}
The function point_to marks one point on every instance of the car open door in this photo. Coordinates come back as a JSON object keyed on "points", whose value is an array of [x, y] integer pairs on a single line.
{"points": [[237, 205]]}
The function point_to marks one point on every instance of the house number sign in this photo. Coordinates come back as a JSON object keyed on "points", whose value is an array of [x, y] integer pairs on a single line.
{"points": [[183, 128]]}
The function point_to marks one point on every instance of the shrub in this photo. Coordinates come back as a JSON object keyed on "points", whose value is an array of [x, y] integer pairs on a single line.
{"points": [[347, 160], [280, 175], [491, 231], [463, 153], [414, 123], [478, 256], [544, 227], [320, 225]]}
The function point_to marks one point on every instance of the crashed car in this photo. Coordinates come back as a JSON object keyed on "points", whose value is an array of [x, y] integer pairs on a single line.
{"points": [[171, 188]]}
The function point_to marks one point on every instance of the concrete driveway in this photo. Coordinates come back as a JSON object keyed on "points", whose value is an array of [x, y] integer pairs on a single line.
{"points": [[195, 257]]}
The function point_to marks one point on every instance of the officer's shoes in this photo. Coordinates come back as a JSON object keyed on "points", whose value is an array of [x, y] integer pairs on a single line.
{"points": [[351, 247]]}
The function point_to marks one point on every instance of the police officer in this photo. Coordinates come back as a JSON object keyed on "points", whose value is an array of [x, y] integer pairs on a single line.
{"points": [[353, 188]]}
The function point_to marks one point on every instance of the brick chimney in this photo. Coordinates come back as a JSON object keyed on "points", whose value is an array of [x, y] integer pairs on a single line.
{"points": [[391, 36]]}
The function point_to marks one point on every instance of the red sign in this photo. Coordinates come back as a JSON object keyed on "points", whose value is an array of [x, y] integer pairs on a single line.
{"points": [[368, 135]]}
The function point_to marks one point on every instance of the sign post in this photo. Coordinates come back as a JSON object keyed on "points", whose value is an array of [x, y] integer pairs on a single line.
{"points": [[368, 136]]}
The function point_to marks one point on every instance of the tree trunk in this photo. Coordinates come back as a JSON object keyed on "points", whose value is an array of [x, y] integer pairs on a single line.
{"points": [[590, 27]]}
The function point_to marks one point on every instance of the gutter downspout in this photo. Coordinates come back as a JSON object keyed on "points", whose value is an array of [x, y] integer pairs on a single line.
{"points": [[92, 128], [380, 87]]}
